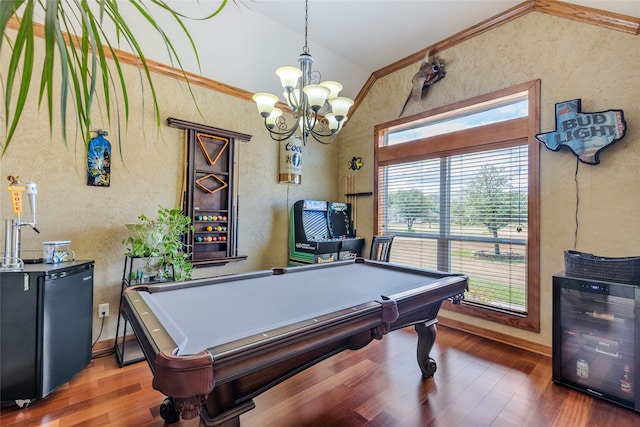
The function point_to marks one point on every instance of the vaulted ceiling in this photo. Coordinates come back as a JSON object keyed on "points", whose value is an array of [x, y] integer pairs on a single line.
{"points": [[353, 41], [349, 39]]}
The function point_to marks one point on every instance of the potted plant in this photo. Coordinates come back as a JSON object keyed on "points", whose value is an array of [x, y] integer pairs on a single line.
{"points": [[161, 242]]}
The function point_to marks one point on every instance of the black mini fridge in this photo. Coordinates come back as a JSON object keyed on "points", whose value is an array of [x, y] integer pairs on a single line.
{"points": [[45, 328], [596, 338]]}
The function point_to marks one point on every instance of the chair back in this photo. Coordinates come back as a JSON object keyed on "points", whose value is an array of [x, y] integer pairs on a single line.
{"points": [[381, 248]]}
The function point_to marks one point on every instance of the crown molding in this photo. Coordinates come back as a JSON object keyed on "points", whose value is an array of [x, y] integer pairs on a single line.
{"points": [[466, 34], [613, 21], [128, 58], [610, 20]]}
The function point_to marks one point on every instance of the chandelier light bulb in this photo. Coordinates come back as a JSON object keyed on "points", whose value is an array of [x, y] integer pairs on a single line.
{"points": [[340, 106], [271, 120], [265, 102], [334, 124], [306, 95], [334, 88], [289, 77], [293, 98], [316, 96]]}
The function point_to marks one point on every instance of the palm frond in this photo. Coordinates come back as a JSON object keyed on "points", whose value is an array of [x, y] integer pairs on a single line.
{"points": [[23, 48], [46, 81], [73, 29], [124, 29]]}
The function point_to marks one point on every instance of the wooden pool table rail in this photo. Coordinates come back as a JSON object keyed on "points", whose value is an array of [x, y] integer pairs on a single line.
{"points": [[229, 376]]}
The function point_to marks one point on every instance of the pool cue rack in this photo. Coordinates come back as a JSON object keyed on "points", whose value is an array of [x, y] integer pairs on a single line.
{"points": [[351, 197], [210, 196]]}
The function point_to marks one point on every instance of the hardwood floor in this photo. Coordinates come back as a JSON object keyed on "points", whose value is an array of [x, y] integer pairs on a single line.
{"points": [[478, 383]]}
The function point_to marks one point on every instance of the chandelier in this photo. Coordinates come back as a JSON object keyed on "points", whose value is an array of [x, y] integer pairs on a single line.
{"points": [[317, 109]]}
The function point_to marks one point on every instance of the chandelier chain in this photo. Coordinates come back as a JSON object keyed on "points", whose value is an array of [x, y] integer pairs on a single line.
{"points": [[306, 25], [317, 109]]}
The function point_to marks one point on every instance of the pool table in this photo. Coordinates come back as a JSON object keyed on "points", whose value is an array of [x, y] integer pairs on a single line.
{"points": [[219, 342]]}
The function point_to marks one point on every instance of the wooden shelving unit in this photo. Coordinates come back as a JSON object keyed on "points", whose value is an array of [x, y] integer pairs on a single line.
{"points": [[211, 193], [126, 346]]}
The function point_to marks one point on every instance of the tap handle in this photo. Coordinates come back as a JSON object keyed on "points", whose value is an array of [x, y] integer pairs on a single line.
{"points": [[32, 192]]}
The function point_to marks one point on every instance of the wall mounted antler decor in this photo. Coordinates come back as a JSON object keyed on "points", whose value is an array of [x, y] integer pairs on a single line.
{"points": [[431, 70]]}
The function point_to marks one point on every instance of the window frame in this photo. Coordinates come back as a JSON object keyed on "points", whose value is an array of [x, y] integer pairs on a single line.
{"points": [[517, 131]]}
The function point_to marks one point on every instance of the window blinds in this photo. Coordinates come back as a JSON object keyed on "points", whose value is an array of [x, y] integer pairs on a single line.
{"points": [[463, 213]]}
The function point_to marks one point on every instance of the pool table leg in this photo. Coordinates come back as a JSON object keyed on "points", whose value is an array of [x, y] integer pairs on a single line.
{"points": [[426, 338]]}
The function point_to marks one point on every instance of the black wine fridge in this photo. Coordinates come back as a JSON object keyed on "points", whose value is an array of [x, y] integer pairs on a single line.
{"points": [[596, 338]]}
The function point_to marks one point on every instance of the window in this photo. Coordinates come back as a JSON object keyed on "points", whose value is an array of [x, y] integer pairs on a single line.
{"points": [[458, 187]]}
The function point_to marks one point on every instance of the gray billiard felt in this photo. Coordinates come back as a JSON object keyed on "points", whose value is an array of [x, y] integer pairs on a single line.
{"points": [[206, 316]]}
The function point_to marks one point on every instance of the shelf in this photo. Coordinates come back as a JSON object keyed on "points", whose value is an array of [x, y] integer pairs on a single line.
{"points": [[211, 192], [601, 377], [129, 351], [219, 260], [209, 171], [126, 346]]}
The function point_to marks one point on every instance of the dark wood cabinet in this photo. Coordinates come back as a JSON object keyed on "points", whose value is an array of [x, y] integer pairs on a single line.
{"points": [[210, 196]]}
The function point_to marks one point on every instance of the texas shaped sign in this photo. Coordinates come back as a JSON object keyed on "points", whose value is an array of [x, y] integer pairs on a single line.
{"points": [[586, 134]]}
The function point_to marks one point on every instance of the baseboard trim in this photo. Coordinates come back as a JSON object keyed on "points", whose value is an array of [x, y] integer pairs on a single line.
{"points": [[533, 347], [106, 347]]}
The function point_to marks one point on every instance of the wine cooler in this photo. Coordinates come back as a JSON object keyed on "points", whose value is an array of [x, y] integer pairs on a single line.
{"points": [[596, 338]]}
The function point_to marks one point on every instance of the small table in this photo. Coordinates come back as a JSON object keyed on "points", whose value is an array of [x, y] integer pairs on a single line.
{"points": [[219, 342]]}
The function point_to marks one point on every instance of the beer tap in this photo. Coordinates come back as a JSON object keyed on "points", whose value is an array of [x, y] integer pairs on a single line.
{"points": [[11, 260]]}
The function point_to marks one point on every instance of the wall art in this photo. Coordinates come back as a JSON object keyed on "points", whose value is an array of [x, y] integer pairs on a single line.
{"points": [[99, 161], [585, 134]]}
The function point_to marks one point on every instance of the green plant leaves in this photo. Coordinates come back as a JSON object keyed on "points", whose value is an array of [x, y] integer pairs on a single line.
{"points": [[74, 27], [162, 238]]}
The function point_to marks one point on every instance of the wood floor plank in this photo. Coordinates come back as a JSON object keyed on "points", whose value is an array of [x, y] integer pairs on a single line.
{"points": [[478, 383]]}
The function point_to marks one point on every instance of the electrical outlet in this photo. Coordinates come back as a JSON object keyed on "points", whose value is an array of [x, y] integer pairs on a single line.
{"points": [[103, 310]]}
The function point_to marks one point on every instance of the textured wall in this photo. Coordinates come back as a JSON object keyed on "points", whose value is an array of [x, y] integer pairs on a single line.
{"points": [[150, 174], [572, 60]]}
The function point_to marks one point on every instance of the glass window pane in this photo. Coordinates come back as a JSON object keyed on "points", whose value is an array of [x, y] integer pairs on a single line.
{"points": [[464, 213], [496, 112]]}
